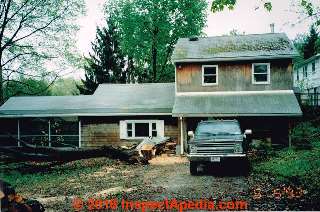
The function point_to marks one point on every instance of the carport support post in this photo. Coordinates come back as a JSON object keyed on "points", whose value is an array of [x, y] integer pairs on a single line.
{"points": [[49, 133], [79, 132], [18, 133], [181, 135], [289, 133]]}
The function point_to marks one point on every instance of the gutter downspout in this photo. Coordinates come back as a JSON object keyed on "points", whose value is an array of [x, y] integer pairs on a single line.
{"points": [[18, 129], [79, 133]]}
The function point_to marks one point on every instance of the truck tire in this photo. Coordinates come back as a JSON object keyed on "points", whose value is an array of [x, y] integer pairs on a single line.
{"points": [[193, 168]]}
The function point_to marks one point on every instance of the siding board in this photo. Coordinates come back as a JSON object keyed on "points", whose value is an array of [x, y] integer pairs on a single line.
{"points": [[233, 76], [99, 131]]}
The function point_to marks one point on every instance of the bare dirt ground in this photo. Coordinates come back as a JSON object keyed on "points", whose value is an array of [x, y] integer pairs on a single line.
{"points": [[164, 178], [61, 187]]}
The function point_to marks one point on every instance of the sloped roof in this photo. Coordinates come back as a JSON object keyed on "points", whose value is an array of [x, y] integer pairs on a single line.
{"points": [[235, 104], [109, 100], [238, 47], [309, 60]]}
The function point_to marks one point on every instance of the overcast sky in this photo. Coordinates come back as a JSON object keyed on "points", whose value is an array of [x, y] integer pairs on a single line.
{"points": [[248, 16]]}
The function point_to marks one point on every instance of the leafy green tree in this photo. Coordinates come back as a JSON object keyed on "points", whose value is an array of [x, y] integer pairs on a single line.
{"points": [[32, 32], [26, 87], [64, 87], [149, 33], [106, 64]]}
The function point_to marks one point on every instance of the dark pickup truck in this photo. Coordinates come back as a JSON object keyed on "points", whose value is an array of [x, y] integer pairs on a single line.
{"points": [[214, 141]]}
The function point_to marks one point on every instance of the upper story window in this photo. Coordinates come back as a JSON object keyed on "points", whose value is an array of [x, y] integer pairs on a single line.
{"points": [[261, 73], [209, 75], [305, 71], [135, 129], [297, 72], [313, 67]]}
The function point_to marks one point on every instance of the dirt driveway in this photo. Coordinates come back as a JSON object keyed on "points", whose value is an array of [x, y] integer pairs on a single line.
{"points": [[165, 177]]}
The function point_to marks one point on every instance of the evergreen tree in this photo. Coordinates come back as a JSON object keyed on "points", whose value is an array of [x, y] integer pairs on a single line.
{"points": [[106, 64], [310, 46]]}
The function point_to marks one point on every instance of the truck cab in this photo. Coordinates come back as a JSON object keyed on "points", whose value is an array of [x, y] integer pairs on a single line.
{"points": [[214, 141]]}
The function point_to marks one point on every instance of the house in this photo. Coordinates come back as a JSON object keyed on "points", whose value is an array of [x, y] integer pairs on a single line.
{"points": [[307, 75], [115, 114], [306, 80], [245, 77]]}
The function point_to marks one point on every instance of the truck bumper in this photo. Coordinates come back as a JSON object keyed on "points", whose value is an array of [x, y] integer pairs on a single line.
{"points": [[199, 157]]}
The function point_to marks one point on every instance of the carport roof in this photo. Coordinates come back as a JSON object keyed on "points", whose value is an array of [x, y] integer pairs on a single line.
{"points": [[108, 100], [235, 104]]}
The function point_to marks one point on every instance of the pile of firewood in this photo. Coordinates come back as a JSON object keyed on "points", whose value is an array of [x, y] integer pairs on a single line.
{"points": [[151, 147]]}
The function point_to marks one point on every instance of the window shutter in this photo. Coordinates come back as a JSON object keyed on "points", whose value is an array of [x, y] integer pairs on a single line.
{"points": [[123, 129], [160, 128]]}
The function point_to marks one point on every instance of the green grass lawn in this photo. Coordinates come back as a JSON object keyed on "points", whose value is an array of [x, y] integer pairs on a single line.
{"points": [[302, 166]]}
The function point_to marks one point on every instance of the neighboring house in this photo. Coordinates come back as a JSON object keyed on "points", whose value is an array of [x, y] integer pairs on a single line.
{"points": [[306, 78], [246, 77], [306, 75]]}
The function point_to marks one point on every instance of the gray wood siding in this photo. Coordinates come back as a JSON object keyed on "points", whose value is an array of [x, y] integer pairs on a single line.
{"points": [[233, 76]]}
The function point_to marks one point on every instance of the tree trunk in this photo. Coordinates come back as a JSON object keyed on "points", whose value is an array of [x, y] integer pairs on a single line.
{"points": [[1, 84], [154, 62], [30, 152], [154, 54]]}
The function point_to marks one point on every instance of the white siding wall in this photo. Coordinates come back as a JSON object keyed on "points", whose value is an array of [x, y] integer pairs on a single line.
{"points": [[312, 80]]}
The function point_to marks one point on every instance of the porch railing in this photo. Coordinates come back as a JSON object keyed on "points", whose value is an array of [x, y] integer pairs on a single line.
{"points": [[308, 99]]}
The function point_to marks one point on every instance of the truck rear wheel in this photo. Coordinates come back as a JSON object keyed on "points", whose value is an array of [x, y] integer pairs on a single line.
{"points": [[193, 168]]}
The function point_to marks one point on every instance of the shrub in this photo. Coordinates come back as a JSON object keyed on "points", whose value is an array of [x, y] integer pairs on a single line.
{"points": [[303, 134]]}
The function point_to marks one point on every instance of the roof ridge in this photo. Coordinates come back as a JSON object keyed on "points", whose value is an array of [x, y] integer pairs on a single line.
{"points": [[240, 35], [136, 84]]}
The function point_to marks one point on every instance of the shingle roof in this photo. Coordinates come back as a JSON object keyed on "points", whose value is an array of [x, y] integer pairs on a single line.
{"points": [[234, 104], [239, 47], [109, 99]]}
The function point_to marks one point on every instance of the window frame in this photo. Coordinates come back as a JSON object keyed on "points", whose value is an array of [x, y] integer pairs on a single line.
{"points": [[217, 75], [305, 71], [313, 67], [123, 130], [268, 74]]}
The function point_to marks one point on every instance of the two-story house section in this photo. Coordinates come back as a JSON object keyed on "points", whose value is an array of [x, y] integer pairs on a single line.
{"points": [[306, 76], [245, 77]]}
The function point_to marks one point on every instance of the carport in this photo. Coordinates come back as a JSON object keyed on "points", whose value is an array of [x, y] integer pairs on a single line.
{"points": [[268, 113]]}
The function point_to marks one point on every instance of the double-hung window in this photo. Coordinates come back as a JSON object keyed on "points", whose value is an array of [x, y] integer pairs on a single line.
{"points": [[209, 75], [135, 129], [261, 73]]}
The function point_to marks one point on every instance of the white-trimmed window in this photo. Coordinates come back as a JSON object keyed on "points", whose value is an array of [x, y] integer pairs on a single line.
{"points": [[261, 73], [209, 75], [135, 129]]}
